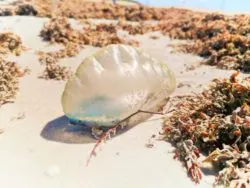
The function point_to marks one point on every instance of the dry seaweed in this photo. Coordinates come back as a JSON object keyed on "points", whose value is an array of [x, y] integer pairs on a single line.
{"points": [[56, 72], [154, 37], [10, 73], [6, 11], [69, 50], [26, 10], [226, 51], [19, 8], [73, 9], [140, 28], [212, 122], [103, 35], [59, 30], [52, 69], [222, 40], [104, 10], [193, 26], [233, 166], [10, 43]]}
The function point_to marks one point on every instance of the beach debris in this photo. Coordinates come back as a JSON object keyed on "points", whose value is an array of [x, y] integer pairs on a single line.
{"points": [[4, 11], [56, 72], [102, 35], [10, 73], [226, 51], [19, 116], [59, 30], [18, 8], [52, 69], [151, 142], [222, 40], [98, 10], [10, 43], [154, 37], [186, 151], [233, 166], [183, 84], [139, 28], [214, 122], [69, 50], [193, 25], [112, 131], [26, 10]]}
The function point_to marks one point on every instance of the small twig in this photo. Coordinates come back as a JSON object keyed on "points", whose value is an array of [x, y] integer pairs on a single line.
{"points": [[113, 129]]}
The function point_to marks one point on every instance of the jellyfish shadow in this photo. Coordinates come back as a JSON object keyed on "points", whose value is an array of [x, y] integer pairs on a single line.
{"points": [[60, 130]]}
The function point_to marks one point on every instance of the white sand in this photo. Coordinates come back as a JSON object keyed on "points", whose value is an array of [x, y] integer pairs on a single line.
{"points": [[29, 160], [6, 2]]}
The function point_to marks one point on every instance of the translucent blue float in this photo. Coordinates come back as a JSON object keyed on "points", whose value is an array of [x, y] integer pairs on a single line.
{"points": [[114, 83]]}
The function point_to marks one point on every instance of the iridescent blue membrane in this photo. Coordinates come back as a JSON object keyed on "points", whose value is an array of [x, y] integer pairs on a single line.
{"points": [[95, 107]]}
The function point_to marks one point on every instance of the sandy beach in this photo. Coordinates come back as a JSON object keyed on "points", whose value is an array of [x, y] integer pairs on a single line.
{"points": [[39, 150], [38, 146]]}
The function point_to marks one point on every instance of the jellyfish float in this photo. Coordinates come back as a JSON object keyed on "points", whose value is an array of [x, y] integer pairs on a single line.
{"points": [[115, 83]]}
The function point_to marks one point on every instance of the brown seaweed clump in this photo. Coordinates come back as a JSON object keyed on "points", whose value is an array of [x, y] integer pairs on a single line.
{"points": [[10, 43], [215, 122], [10, 73], [226, 51], [101, 35], [222, 40], [197, 26], [26, 10], [21, 8], [59, 30], [56, 72], [76, 9], [69, 50], [5, 11], [52, 69], [226, 48], [138, 28]]}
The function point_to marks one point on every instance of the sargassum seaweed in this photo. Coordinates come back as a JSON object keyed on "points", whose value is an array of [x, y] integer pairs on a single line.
{"points": [[215, 122]]}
